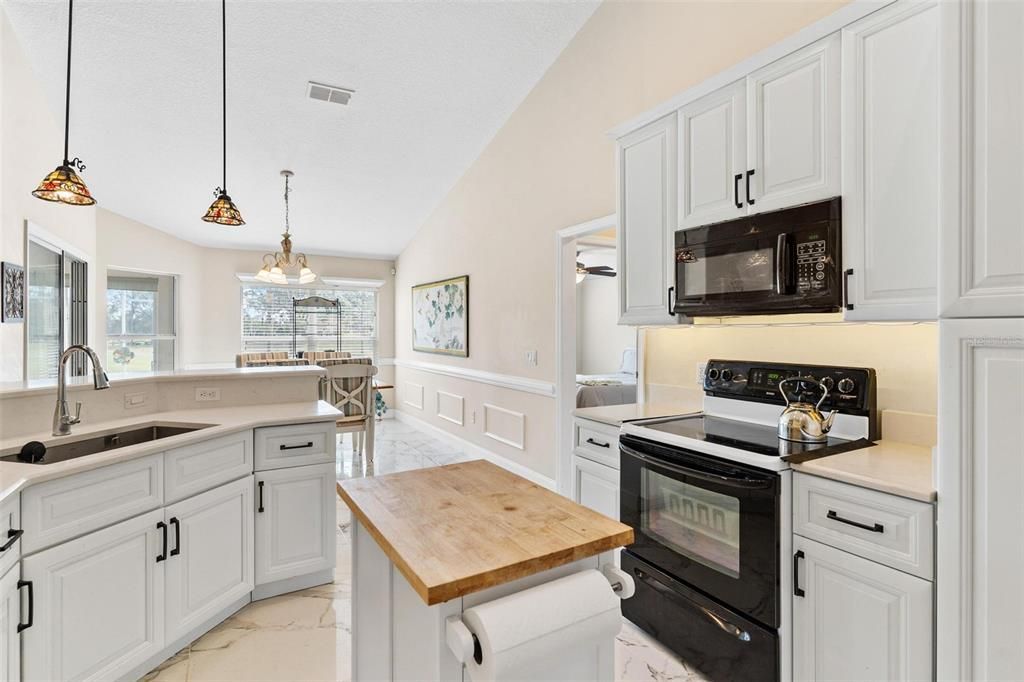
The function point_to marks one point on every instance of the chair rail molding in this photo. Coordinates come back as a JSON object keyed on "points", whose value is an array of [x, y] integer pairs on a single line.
{"points": [[509, 381]]}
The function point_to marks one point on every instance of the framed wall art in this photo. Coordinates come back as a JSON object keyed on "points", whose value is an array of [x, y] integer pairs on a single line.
{"points": [[12, 291], [440, 317]]}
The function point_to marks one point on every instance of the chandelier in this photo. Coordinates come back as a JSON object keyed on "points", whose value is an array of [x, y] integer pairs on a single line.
{"points": [[275, 264]]}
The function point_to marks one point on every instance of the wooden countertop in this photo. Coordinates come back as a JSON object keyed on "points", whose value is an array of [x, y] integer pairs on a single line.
{"points": [[889, 466], [615, 415], [457, 529]]}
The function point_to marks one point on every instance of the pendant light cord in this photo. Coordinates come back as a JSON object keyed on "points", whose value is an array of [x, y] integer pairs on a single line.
{"points": [[287, 226], [67, 91], [224, 91]]}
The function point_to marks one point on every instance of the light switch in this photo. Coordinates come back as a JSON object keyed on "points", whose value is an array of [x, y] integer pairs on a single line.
{"points": [[134, 400]]}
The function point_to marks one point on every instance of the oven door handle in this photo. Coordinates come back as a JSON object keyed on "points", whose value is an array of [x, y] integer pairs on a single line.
{"points": [[701, 474], [724, 625]]}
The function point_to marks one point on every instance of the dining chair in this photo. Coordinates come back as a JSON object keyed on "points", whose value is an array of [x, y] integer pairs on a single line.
{"points": [[348, 386]]}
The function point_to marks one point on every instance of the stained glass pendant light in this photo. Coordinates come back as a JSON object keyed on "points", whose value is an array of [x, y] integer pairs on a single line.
{"points": [[63, 184], [275, 264], [223, 211]]}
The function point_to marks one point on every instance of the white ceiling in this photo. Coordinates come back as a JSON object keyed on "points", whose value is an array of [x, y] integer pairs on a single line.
{"points": [[434, 82]]}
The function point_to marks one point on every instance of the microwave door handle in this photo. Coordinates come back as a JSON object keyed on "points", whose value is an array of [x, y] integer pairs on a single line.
{"points": [[782, 265], [734, 481]]}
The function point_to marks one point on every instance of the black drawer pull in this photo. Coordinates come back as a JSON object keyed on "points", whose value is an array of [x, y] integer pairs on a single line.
{"points": [[161, 526], [12, 537], [297, 447], [598, 443], [877, 528], [260, 485], [797, 590], [177, 537], [31, 605]]}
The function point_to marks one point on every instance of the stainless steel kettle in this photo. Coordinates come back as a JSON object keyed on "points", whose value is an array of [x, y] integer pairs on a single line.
{"points": [[803, 422]]}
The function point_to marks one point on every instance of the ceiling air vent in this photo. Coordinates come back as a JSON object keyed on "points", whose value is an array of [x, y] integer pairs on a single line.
{"points": [[329, 93]]}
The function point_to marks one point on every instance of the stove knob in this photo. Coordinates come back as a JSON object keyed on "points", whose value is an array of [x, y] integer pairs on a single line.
{"points": [[726, 375], [810, 384], [713, 374], [846, 385], [828, 383]]}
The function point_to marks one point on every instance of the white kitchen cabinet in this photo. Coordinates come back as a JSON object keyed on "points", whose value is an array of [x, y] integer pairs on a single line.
{"points": [[793, 128], [99, 603], [295, 522], [890, 156], [858, 620], [980, 520], [210, 555], [713, 157], [646, 160], [981, 246], [10, 620], [596, 486]]}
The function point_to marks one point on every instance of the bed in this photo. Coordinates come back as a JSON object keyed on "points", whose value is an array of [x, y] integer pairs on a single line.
{"points": [[616, 388]]}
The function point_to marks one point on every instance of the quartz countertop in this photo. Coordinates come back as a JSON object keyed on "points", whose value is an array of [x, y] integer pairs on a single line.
{"points": [[216, 422], [457, 529], [615, 415], [889, 466]]}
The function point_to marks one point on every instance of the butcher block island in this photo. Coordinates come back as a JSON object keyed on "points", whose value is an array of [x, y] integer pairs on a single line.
{"points": [[468, 571]]}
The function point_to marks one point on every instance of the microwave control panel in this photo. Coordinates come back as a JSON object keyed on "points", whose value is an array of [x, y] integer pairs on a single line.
{"points": [[811, 261]]}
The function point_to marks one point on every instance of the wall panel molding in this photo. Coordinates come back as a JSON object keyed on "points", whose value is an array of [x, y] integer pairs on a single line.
{"points": [[450, 407], [412, 394], [505, 426], [509, 381]]}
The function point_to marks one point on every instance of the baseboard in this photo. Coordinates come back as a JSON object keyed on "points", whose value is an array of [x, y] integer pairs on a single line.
{"points": [[292, 584], [471, 448]]}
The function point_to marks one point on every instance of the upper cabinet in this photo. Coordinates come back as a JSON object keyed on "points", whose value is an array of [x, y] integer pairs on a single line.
{"points": [[981, 249], [891, 163], [647, 213], [793, 116]]}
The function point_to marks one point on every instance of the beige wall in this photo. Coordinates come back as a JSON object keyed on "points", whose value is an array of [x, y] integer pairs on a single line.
{"points": [[31, 144], [552, 166]]}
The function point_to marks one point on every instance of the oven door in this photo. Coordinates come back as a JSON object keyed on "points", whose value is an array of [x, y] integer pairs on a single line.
{"points": [[707, 522]]}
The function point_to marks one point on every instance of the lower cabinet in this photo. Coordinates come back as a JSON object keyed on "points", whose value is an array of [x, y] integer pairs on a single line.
{"points": [[10, 620], [295, 522], [596, 486], [854, 619], [99, 603]]}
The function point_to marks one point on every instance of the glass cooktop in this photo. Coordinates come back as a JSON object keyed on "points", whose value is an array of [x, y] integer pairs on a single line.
{"points": [[756, 438]]}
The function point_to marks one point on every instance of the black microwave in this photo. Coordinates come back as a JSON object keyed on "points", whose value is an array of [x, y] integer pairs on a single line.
{"points": [[786, 261]]}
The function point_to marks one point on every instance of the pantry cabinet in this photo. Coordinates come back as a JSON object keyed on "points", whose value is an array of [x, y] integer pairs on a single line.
{"points": [[854, 619], [10, 620], [646, 160], [981, 248], [891, 143]]}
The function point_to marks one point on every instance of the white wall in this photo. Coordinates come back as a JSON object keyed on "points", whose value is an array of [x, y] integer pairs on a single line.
{"points": [[600, 339]]}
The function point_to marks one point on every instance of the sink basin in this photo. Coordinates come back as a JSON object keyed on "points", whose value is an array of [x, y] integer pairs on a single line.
{"points": [[110, 441]]}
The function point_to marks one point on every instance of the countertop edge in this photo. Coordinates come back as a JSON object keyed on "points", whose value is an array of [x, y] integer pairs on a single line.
{"points": [[868, 482]]}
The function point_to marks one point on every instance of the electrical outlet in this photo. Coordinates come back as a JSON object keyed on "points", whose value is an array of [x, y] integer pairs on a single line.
{"points": [[472, 417], [531, 358], [701, 367], [205, 395], [132, 400]]}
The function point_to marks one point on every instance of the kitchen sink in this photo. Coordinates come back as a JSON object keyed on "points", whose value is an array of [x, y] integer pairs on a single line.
{"points": [[35, 453]]}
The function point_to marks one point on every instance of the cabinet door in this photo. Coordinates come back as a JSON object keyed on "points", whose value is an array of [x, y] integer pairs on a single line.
{"points": [[712, 153], [980, 519], [210, 557], [858, 620], [793, 116], [981, 249], [98, 603], [295, 522], [10, 618], [647, 215], [891, 163], [597, 486]]}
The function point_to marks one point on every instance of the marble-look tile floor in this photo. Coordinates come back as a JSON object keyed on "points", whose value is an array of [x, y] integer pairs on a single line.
{"points": [[307, 635]]}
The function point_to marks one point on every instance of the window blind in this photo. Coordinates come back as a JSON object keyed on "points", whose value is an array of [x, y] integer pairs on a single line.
{"points": [[267, 320]]}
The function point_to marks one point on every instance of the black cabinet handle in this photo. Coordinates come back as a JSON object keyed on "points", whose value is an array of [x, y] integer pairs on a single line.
{"points": [[260, 485], [177, 537], [736, 190], [846, 288], [297, 447], [670, 306], [31, 605], [12, 537], [797, 590], [750, 200], [161, 526], [598, 443], [876, 528]]}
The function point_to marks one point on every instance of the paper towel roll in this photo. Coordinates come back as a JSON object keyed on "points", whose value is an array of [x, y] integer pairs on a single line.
{"points": [[561, 630]]}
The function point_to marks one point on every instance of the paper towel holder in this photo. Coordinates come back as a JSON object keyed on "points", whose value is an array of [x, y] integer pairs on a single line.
{"points": [[621, 582]]}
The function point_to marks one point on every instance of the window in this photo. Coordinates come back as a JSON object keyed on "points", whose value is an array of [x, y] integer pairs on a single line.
{"points": [[57, 311], [140, 322], [267, 320]]}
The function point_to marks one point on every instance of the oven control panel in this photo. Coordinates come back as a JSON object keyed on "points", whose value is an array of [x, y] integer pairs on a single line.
{"points": [[850, 389]]}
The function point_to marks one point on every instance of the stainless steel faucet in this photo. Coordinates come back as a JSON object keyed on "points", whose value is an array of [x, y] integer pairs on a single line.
{"points": [[62, 419]]}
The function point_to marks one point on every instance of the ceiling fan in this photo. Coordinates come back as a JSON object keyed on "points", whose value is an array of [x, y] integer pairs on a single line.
{"points": [[600, 270]]}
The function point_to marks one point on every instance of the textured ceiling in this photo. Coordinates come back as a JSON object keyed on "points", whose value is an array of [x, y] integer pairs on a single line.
{"points": [[434, 82]]}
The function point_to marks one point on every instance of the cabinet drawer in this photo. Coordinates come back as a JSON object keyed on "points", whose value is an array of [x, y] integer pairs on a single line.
{"points": [[292, 446], [885, 528], [598, 442], [67, 507], [10, 532], [204, 466]]}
